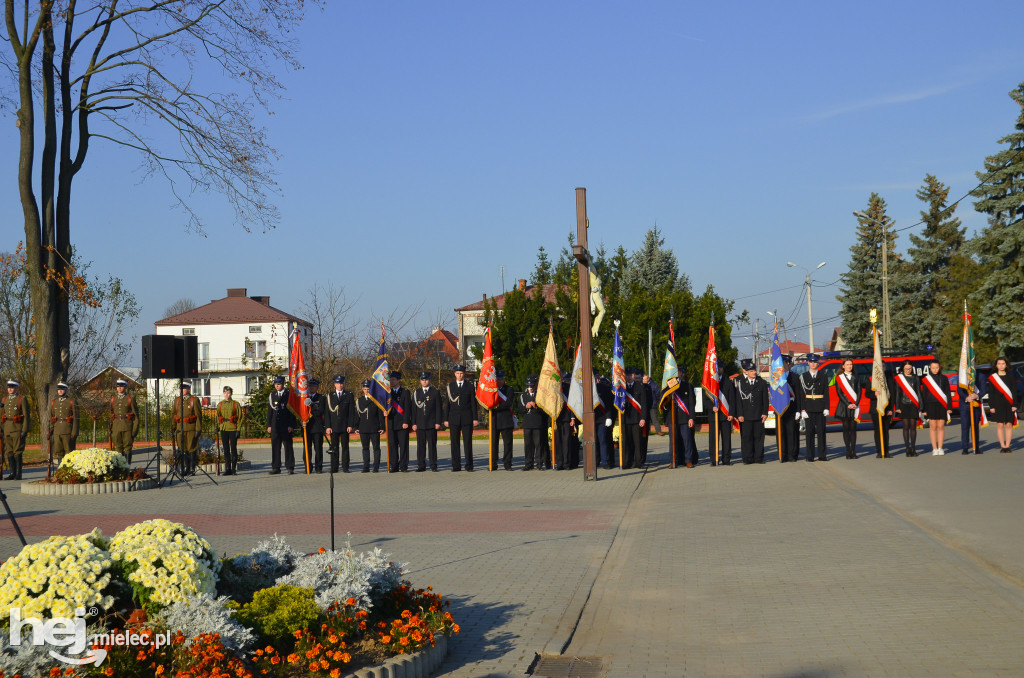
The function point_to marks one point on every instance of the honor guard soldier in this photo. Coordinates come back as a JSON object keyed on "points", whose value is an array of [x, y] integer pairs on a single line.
{"points": [[188, 421], [684, 403], [813, 402], [340, 422], [400, 421], [789, 422], [315, 427], [14, 419], [229, 420], [124, 420], [428, 414], [535, 426], [503, 421], [280, 424], [371, 423], [63, 423], [566, 444], [752, 411], [907, 405], [461, 417]]}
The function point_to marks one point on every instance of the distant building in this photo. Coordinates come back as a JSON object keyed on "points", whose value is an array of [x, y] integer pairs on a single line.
{"points": [[102, 383], [437, 353], [472, 325], [235, 335]]}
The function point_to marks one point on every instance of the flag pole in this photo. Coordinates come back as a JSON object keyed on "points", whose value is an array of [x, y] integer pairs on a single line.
{"points": [[387, 436], [778, 435], [620, 439], [672, 432], [305, 447], [492, 453], [715, 415]]}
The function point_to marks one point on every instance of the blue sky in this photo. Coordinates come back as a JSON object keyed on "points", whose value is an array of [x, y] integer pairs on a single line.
{"points": [[424, 145]]}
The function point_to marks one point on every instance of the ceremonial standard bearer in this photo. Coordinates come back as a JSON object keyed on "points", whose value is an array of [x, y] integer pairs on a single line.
{"points": [[429, 413], [63, 423], [813, 402], [316, 426], [280, 424], [881, 420], [684, 402], [567, 444], [400, 421], [535, 426], [461, 417], [789, 421], [340, 420], [371, 423], [503, 421], [752, 411], [725, 411]]}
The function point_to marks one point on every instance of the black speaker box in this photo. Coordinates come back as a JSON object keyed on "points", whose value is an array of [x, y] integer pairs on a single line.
{"points": [[158, 356], [186, 357]]}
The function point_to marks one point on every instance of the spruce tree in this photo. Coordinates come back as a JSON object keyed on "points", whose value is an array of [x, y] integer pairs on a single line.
{"points": [[932, 256], [652, 267], [1000, 246], [542, 272]]}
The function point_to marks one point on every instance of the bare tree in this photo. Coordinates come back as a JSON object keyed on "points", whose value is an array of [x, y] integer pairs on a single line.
{"points": [[180, 306], [108, 70], [330, 311]]}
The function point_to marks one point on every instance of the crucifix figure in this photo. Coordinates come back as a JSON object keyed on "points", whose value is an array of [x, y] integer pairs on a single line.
{"points": [[596, 296]]}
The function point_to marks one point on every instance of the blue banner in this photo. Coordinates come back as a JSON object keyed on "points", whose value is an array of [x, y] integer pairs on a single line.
{"points": [[380, 382], [619, 374], [778, 388]]}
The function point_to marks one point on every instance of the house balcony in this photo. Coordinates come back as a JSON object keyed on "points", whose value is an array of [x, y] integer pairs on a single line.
{"points": [[228, 365]]}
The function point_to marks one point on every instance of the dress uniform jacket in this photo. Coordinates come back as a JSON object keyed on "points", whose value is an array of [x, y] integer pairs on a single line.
{"points": [[752, 404], [462, 407], [535, 425], [813, 398], [502, 412], [369, 417], [124, 423], [428, 410], [63, 425], [340, 414], [682, 437], [279, 417], [317, 411], [229, 415], [403, 413], [14, 419], [188, 420]]}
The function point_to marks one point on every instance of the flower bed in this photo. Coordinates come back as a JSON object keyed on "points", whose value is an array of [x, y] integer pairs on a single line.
{"points": [[94, 465], [272, 612]]}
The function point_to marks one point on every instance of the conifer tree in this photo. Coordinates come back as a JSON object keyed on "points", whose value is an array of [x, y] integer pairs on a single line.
{"points": [[1000, 246], [542, 272], [652, 267]]}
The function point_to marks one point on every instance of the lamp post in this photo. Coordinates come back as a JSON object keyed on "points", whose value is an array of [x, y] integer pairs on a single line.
{"points": [[886, 321], [810, 318]]}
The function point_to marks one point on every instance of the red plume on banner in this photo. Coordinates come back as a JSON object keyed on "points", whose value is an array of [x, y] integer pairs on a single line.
{"points": [[297, 379], [487, 387]]}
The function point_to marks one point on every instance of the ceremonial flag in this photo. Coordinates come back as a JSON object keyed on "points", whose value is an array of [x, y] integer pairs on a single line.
{"points": [[619, 374], [487, 388], [779, 393], [878, 384], [712, 377], [549, 385], [380, 382], [968, 374], [575, 400], [670, 372], [297, 379]]}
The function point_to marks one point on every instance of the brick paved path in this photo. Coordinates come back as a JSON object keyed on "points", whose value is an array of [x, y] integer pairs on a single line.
{"points": [[863, 568]]}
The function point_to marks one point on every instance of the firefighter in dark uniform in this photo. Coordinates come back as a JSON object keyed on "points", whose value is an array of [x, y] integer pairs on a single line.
{"points": [[229, 420], [605, 415], [428, 414], [566, 442], [789, 423], [370, 422], [503, 422], [316, 426], [461, 417], [726, 403], [124, 420], [684, 403], [752, 411], [63, 423], [400, 420], [813, 402], [340, 418], [535, 426], [280, 424], [14, 418], [188, 423]]}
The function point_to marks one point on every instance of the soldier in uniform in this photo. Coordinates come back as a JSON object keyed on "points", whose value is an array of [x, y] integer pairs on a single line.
{"points": [[684, 403], [813, 402], [604, 420], [124, 420], [188, 422], [340, 422], [63, 423], [280, 424], [14, 417], [503, 423], [461, 417], [752, 411], [426, 422], [315, 427], [535, 425], [400, 421], [566, 443], [371, 423], [789, 424], [229, 419]]}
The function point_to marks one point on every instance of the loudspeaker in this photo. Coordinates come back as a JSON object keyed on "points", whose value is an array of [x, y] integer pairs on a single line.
{"points": [[186, 357], [158, 356]]}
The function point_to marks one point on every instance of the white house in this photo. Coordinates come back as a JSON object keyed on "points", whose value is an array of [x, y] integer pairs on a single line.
{"points": [[235, 335]]}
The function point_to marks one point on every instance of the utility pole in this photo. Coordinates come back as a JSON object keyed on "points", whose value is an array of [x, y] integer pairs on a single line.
{"points": [[810, 318]]}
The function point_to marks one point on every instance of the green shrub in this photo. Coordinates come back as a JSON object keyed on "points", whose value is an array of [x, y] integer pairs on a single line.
{"points": [[277, 612]]}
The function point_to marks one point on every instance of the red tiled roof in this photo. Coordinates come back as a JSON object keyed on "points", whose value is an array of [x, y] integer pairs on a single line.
{"points": [[234, 308], [548, 291], [789, 347]]}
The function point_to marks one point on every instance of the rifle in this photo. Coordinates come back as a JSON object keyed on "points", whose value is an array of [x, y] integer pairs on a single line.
{"points": [[3, 456], [49, 452], [216, 434]]}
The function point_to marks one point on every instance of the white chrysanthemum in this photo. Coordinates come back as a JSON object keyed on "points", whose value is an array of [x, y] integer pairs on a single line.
{"points": [[100, 463]]}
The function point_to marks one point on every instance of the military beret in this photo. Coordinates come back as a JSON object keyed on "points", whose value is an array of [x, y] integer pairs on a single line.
{"points": [[459, 368], [12, 384], [62, 385], [120, 382], [499, 374], [339, 379], [279, 380], [366, 383], [395, 374], [747, 364], [424, 375], [313, 382]]}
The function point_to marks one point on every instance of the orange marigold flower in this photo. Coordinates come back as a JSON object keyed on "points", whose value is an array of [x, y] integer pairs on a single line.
{"points": [[346, 657], [406, 614], [332, 638], [455, 628], [404, 640], [275, 660], [385, 639], [292, 658], [321, 550], [298, 634], [335, 673], [362, 626], [314, 667]]}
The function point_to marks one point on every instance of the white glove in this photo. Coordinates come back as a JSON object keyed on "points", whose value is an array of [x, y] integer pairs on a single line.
{"points": [[307, 402], [803, 414], [608, 422], [856, 413]]}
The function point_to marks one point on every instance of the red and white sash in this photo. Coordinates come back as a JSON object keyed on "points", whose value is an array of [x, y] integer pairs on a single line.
{"points": [[847, 389], [723, 404], [905, 386], [936, 390], [984, 416], [1004, 390]]}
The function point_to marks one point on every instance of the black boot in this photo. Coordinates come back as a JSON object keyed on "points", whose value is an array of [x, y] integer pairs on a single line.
{"points": [[10, 467], [17, 467]]}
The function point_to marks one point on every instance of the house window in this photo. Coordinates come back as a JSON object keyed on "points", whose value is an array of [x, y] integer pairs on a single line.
{"points": [[204, 357], [253, 384], [255, 350], [188, 331], [255, 329]]}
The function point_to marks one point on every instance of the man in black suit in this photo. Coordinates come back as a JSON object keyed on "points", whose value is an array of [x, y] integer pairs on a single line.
{"points": [[371, 423], [752, 394], [426, 402], [461, 417], [340, 418], [566, 443], [280, 424], [315, 427], [726, 412], [684, 402], [634, 420], [605, 416], [399, 425], [813, 402], [789, 423], [535, 426], [503, 422]]}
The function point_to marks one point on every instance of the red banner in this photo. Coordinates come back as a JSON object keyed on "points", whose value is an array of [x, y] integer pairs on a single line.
{"points": [[710, 378], [487, 386], [297, 379]]}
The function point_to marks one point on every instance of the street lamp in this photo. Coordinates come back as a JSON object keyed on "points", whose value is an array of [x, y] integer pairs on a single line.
{"points": [[810, 319], [886, 323]]}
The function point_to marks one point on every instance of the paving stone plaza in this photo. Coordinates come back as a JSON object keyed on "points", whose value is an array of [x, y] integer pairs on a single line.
{"points": [[901, 567]]}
